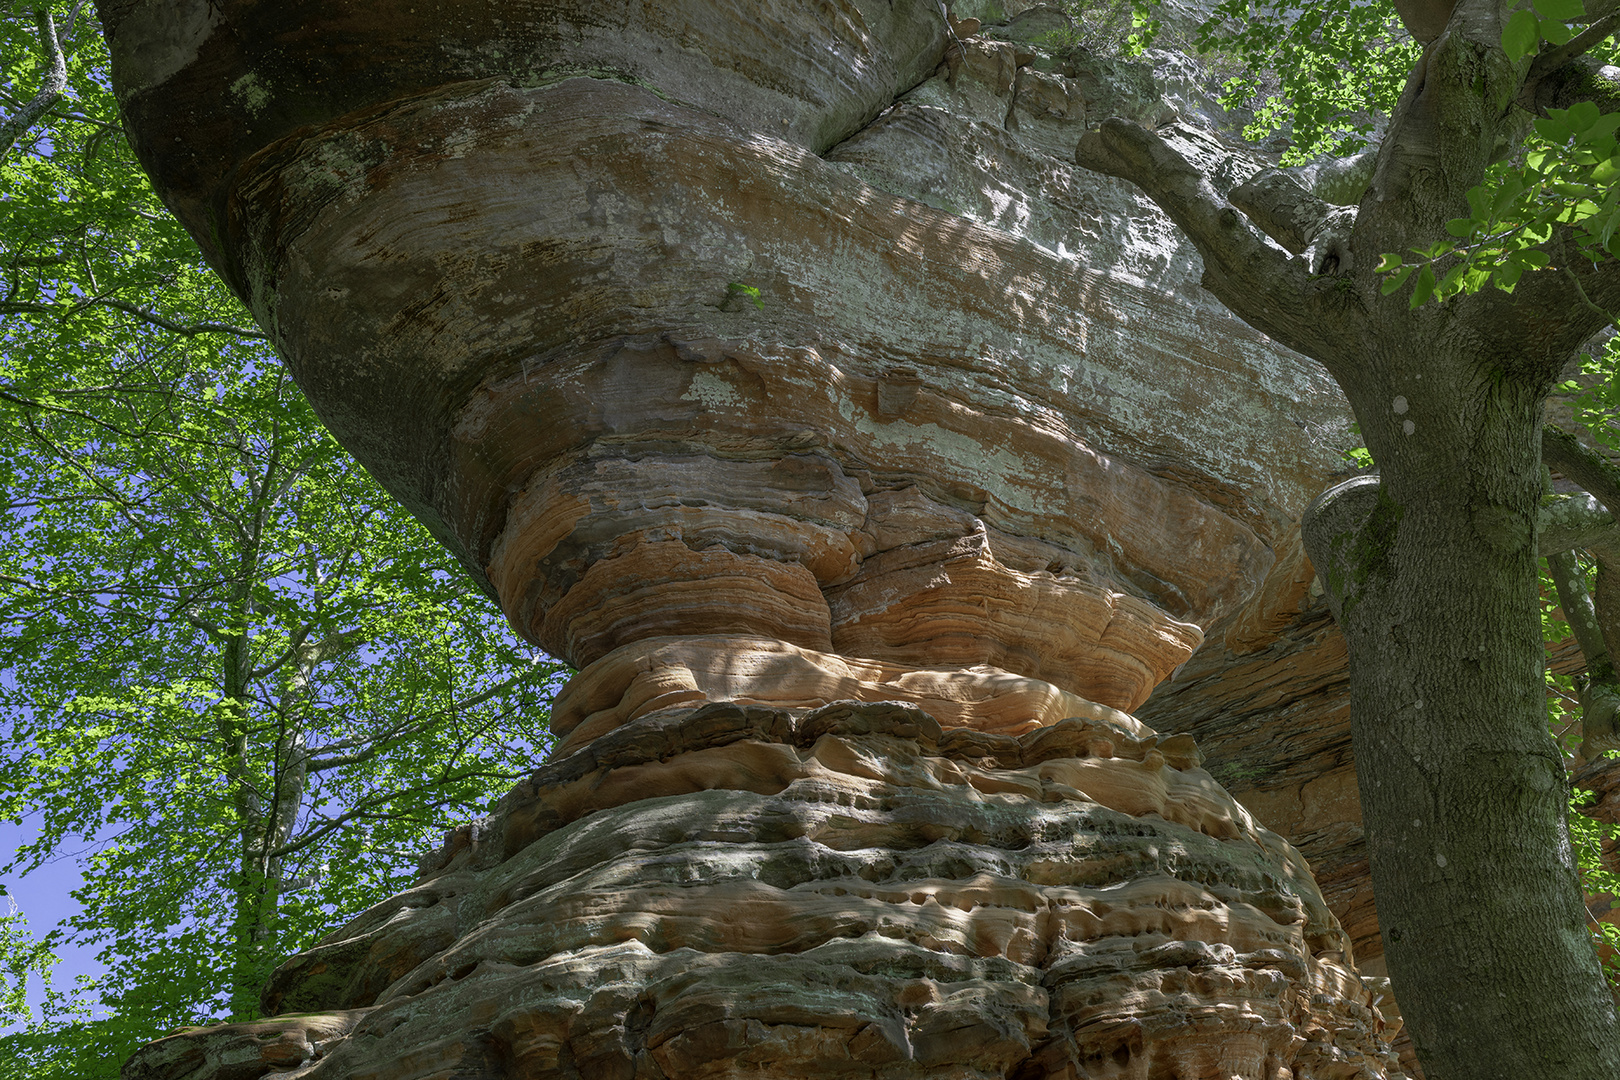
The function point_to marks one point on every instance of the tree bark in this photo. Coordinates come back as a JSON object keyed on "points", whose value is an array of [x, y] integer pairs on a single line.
{"points": [[1431, 567], [1462, 789], [51, 86]]}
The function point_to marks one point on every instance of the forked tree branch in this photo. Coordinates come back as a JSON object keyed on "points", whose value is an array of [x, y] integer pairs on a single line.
{"points": [[55, 81], [1559, 55], [1298, 220], [1258, 281]]}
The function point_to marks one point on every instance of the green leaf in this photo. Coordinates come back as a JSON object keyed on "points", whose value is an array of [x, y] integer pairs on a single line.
{"points": [[1452, 282], [1508, 190], [1388, 262], [1435, 250], [1554, 31], [1565, 10], [1552, 128], [1463, 226], [1521, 35], [1395, 279], [1423, 288], [1604, 126]]}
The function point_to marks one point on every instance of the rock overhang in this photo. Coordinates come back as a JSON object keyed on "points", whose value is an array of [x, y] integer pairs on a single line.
{"points": [[977, 313]]}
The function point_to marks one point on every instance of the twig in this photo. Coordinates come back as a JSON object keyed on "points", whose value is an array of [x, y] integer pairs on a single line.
{"points": [[185, 331], [145, 315], [1587, 300]]}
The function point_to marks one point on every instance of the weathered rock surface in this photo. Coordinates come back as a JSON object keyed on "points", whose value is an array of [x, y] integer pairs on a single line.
{"points": [[983, 465], [851, 891]]}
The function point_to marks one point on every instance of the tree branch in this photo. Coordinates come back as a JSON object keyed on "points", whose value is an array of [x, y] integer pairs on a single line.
{"points": [[363, 809], [1564, 452], [205, 626], [376, 744], [1605, 602], [1600, 696], [51, 86], [1586, 301], [1298, 220], [1598, 9], [1538, 318], [1575, 521], [1559, 55], [144, 314], [45, 406], [183, 329], [1577, 78], [1330, 528], [179, 327], [1424, 19], [1264, 286]]}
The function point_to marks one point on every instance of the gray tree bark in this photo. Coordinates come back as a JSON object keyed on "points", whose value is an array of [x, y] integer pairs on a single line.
{"points": [[54, 43], [1431, 567]]}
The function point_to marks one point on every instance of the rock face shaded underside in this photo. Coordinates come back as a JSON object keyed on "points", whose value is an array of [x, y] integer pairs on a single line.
{"points": [[863, 579]]}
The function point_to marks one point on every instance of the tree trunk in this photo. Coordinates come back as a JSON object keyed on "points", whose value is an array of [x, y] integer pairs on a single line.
{"points": [[1432, 574], [265, 821], [1431, 567], [253, 893]]}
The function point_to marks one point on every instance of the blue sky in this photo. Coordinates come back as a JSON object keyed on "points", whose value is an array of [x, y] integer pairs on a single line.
{"points": [[45, 898]]}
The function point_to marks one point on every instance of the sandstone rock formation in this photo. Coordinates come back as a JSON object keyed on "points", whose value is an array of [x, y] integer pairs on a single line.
{"points": [[735, 890], [773, 364]]}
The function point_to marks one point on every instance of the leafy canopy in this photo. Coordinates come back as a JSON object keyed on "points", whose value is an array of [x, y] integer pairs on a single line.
{"points": [[233, 672]]}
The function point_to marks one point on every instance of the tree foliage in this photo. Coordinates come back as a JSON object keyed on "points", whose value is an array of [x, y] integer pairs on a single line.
{"points": [[232, 669], [1323, 74], [1107, 27]]}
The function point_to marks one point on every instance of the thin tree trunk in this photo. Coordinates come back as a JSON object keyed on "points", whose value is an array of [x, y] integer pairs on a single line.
{"points": [[248, 890]]}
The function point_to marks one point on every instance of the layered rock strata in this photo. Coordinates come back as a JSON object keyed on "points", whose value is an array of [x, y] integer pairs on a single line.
{"points": [[854, 891], [771, 363]]}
